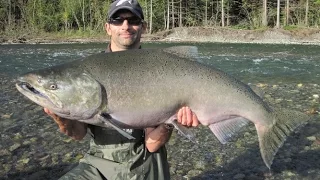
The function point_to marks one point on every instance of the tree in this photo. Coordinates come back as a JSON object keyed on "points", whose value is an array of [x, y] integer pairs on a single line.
{"points": [[150, 19], [287, 12], [264, 14], [278, 14], [307, 11]]}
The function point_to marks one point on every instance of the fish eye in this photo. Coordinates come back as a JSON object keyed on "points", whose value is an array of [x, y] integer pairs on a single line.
{"points": [[53, 86]]}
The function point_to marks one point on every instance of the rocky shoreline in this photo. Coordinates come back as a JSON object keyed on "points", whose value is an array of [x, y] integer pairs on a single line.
{"points": [[191, 34]]}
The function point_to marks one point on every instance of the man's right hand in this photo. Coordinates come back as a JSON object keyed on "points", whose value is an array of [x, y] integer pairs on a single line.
{"points": [[74, 129]]}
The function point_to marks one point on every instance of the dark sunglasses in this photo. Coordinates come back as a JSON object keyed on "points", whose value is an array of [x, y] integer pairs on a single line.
{"points": [[131, 20]]}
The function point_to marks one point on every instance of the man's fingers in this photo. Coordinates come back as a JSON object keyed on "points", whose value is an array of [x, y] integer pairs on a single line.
{"points": [[58, 120], [46, 110], [188, 116], [75, 130], [195, 121], [184, 116], [179, 116]]}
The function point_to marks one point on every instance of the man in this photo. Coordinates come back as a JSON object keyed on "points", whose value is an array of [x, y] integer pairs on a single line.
{"points": [[112, 156]]}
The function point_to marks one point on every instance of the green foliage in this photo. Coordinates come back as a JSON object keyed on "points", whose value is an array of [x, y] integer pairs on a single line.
{"points": [[291, 27], [87, 17]]}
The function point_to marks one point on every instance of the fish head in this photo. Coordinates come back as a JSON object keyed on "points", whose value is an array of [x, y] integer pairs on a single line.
{"points": [[68, 93]]}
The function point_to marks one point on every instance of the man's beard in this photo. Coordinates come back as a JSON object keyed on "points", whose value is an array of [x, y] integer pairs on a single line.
{"points": [[129, 42]]}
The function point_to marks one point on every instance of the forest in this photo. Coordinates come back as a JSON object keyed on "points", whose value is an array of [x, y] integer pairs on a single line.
{"points": [[89, 16]]}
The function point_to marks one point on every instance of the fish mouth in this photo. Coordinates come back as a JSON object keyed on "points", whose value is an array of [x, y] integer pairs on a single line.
{"points": [[32, 93], [29, 88], [38, 97]]}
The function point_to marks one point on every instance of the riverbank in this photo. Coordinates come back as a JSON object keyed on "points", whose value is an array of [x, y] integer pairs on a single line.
{"points": [[188, 34]]}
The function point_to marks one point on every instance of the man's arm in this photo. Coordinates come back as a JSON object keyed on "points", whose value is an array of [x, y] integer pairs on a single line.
{"points": [[157, 137], [154, 137]]}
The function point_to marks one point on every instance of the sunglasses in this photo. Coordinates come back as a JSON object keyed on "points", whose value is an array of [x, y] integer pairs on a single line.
{"points": [[118, 21]]}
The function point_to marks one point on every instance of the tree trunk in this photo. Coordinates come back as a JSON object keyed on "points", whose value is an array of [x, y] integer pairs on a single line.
{"points": [[206, 14], [150, 20], [222, 13], [9, 13], [146, 11], [264, 14], [180, 14], [307, 11], [287, 12], [168, 14], [76, 19], [172, 14], [228, 15], [83, 19], [278, 14], [217, 15]]}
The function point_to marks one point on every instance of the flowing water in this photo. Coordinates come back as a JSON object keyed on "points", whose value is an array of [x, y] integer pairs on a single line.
{"points": [[31, 147]]}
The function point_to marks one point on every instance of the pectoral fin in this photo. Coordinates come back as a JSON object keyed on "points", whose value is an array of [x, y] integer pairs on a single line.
{"points": [[184, 131], [225, 129], [108, 120]]}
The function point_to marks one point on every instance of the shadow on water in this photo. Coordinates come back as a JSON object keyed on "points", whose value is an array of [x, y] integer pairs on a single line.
{"points": [[296, 159]]}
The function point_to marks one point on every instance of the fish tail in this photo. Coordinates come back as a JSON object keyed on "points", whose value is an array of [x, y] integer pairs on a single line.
{"points": [[272, 137]]}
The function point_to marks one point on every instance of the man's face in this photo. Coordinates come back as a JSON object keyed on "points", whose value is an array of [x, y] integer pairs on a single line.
{"points": [[125, 35]]}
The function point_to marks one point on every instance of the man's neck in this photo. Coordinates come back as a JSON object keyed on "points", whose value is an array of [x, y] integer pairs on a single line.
{"points": [[114, 48]]}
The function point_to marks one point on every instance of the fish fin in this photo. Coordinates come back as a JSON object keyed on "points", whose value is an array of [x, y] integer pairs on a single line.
{"points": [[184, 131], [272, 137], [107, 119], [184, 51], [257, 90], [225, 129]]}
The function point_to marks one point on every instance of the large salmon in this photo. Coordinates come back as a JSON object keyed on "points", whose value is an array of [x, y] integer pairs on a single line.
{"points": [[146, 87]]}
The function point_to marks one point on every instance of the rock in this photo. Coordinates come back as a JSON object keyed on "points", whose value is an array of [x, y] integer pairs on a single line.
{"points": [[194, 172], [4, 152], [287, 160], [239, 176], [78, 157], [261, 85], [200, 165], [7, 167], [14, 147], [38, 175], [67, 140], [24, 161], [6, 116], [311, 138], [17, 136], [289, 173]]}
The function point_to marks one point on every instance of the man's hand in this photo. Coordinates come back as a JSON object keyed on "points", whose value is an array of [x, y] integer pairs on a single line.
{"points": [[74, 129], [187, 118], [157, 137]]}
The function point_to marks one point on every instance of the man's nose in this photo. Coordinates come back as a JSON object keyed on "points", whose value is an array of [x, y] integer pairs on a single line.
{"points": [[125, 24]]}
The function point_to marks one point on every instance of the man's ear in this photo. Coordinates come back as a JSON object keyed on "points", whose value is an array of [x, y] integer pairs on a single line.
{"points": [[107, 28]]}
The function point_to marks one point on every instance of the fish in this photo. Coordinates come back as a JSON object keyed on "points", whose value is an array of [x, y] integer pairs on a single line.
{"points": [[146, 87]]}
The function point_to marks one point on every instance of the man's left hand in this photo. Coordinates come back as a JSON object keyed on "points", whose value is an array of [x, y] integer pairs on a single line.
{"points": [[186, 117], [157, 137]]}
